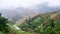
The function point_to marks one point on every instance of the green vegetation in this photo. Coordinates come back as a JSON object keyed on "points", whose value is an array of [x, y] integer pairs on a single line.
{"points": [[42, 25], [16, 31], [3, 26], [37, 25], [6, 28]]}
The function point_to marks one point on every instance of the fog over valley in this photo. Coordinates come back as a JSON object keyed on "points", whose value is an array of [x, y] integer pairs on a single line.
{"points": [[15, 10]]}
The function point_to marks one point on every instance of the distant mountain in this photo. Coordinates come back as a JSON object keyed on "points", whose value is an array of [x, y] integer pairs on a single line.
{"points": [[17, 13], [9, 13], [45, 8]]}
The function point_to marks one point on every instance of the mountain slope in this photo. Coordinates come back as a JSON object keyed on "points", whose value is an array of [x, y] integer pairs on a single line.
{"points": [[41, 23], [54, 15]]}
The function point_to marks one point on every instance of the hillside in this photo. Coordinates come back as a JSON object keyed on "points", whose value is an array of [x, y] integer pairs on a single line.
{"points": [[54, 15], [6, 28], [47, 23]]}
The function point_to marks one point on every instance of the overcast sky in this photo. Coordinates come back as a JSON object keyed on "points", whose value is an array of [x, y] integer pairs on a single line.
{"points": [[27, 3]]}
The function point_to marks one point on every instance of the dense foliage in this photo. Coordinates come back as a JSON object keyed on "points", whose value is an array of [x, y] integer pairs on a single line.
{"points": [[36, 25], [42, 25], [6, 28], [3, 25]]}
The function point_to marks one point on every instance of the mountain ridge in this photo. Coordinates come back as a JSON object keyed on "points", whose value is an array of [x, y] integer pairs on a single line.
{"points": [[51, 15]]}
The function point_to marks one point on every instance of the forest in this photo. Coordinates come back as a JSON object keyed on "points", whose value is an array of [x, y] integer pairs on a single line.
{"points": [[40, 24]]}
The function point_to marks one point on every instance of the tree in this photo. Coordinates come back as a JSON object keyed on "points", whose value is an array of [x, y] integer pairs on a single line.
{"points": [[3, 25]]}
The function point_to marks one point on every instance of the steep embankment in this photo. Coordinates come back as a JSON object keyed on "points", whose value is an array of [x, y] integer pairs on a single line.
{"points": [[26, 18], [41, 23], [54, 15]]}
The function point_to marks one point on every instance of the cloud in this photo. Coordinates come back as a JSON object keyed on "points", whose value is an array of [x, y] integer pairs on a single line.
{"points": [[54, 3], [27, 3], [16, 3]]}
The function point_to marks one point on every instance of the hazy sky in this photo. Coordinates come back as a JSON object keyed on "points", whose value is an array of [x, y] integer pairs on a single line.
{"points": [[27, 3]]}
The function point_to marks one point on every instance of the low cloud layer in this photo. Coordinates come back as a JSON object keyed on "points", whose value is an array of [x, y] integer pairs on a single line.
{"points": [[27, 3]]}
